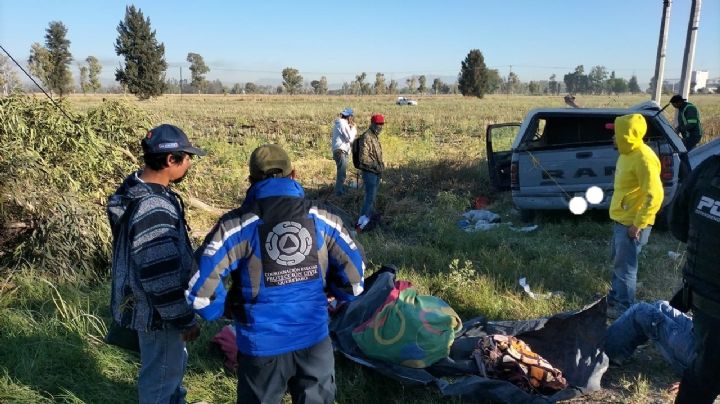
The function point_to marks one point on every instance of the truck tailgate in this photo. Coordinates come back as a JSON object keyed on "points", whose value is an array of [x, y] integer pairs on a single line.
{"points": [[566, 170]]}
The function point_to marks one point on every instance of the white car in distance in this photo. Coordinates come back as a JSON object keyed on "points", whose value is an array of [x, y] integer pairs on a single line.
{"points": [[405, 101]]}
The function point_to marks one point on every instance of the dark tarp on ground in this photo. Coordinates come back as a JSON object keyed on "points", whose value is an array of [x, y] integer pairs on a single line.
{"points": [[571, 341]]}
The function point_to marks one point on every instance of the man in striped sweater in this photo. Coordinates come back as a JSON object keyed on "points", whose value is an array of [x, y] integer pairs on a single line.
{"points": [[152, 262], [281, 252]]}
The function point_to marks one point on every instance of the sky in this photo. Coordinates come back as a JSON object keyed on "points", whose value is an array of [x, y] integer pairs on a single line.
{"points": [[243, 41]]}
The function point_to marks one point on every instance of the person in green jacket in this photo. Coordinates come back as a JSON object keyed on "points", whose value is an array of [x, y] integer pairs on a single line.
{"points": [[689, 126]]}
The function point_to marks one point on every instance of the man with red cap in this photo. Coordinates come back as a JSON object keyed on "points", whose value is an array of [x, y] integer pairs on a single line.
{"points": [[371, 165]]}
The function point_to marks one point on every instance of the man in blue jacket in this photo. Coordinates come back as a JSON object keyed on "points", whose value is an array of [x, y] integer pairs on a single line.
{"points": [[282, 252]]}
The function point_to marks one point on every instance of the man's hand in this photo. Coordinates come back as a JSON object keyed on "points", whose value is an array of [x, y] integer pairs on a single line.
{"points": [[633, 232], [191, 334]]}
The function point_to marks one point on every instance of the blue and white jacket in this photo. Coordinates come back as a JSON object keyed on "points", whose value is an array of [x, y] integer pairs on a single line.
{"points": [[281, 251]]}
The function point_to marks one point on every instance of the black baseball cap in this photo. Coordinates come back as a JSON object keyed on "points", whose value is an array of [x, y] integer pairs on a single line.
{"points": [[677, 98], [169, 138]]}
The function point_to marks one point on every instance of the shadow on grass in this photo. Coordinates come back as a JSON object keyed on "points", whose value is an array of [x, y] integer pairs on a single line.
{"points": [[61, 368]]}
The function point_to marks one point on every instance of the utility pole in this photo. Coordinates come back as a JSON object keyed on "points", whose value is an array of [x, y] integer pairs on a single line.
{"points": [[662, 44], [180, 82], [689, 56]]}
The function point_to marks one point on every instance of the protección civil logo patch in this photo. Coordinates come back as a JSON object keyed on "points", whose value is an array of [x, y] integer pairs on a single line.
{"points": [[289, 255]]}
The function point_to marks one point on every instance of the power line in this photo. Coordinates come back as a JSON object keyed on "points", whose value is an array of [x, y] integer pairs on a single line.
{"points": [[38, 85]]}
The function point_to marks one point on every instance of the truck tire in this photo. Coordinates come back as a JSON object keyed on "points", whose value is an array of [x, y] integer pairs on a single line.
{"points": [[662, 219], [527, 215]]}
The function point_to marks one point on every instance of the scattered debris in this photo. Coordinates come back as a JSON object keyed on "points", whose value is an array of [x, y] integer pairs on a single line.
{"points": [[525, 229], [526, 288], [481, 202], [482, 220]]}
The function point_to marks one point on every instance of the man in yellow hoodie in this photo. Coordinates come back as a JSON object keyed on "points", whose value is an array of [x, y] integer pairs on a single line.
{"points": [[637, 197]]}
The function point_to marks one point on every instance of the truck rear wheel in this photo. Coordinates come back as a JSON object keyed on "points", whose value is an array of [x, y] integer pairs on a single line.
{"points": [[527, 215]]}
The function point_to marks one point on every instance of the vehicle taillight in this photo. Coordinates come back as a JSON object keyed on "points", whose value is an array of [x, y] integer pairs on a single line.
{"points": [[514, 176], [666, 168]]}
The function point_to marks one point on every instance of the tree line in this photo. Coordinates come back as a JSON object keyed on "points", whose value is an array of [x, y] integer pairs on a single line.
{"points": [[144, 69]]}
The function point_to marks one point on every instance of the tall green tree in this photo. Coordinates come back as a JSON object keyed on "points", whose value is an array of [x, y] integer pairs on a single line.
{"points": [[198, 69], [51, 63], [380, 87], [251, 88], [59, 56], [145, 65], [473, 76], [553, 85], [437, 86], [577, 81], [598, 75], [39, 63], [513, 83], [422, 84], [533, 87], [411, 82], [392, 87], [494, 81], [84, 83], [633, 85], [359, 86], [94, 69], [319, 86], [292, 80]]}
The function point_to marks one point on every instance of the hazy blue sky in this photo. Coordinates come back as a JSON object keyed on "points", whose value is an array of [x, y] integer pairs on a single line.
{"points": [[254, 41]]}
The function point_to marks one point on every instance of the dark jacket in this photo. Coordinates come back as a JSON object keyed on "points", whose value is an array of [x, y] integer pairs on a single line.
{"points": [[695, 220], [152, 257], [371, 157], [281, 251], [689, 124]]}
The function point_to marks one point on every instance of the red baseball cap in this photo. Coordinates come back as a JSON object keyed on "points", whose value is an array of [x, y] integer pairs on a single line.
{"points": [[377, 119]]}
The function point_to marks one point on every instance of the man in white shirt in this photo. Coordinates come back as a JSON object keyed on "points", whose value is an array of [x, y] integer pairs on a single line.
{"points": [[343, 134]]}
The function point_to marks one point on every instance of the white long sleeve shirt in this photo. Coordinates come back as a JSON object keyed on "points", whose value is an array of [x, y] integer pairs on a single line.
{"points": [[343, 135]]}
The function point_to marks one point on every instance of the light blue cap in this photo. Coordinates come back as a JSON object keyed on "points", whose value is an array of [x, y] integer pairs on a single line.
{"points": [[347, 112]]}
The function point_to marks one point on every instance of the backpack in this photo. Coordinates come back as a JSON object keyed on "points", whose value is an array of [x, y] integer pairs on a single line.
{"points": [[409, 329], [355, 151]]}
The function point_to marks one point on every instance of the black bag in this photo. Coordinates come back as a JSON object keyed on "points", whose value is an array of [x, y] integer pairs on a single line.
{"points": [[123, 337], [355, 151]]}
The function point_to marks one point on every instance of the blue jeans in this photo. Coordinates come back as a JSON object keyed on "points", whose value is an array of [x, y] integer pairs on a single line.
{"points": [[163, 358], [668, 328], [372, 182], [341, 159], [624, 253]]}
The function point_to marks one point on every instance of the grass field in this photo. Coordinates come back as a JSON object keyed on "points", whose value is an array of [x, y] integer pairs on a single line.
{"points": [[52, 322]]}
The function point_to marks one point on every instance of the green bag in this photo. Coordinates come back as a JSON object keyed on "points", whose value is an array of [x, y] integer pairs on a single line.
{"points": [[409, 329]]}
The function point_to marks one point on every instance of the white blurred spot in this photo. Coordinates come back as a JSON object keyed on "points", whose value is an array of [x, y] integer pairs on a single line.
{"points": [[594, 195], [578, 205]]}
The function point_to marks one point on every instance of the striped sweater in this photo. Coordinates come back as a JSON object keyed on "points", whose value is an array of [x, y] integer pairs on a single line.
{"points": [[152, 257]]}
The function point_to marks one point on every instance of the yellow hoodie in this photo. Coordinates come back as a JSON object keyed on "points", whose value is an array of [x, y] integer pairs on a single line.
{"points": [[638, 193]]}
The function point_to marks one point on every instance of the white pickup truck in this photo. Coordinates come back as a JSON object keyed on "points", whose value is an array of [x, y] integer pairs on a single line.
{"points": [[405, 101], [556, 154]]}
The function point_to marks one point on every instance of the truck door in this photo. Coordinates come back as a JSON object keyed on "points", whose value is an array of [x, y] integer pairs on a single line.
{"points": [[498, 143]]}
